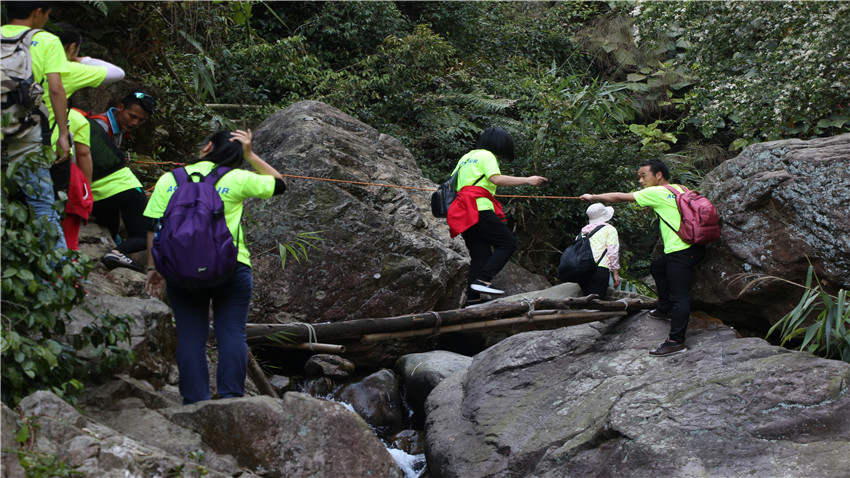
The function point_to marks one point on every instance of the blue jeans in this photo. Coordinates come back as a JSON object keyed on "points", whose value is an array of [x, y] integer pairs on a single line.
{"points": [[672, 273], [230, 314], [42, 197], [42, 202]]}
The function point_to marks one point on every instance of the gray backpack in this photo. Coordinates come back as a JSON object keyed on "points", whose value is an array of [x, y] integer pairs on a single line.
{"points": [[22, 103]]}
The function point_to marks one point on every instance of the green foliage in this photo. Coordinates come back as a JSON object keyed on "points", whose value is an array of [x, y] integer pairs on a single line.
{"points": [[762, 70], [298, 247], [40, 283], [39, 465], [828, 334]]}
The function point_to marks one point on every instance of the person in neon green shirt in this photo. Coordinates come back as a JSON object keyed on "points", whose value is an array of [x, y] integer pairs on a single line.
{"points": [[48, 63], [231, 299], [478, 217], [82, 71], [118, 194], [673, 270]]}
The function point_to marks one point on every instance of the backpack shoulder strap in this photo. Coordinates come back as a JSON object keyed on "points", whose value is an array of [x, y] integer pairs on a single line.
{"points": [[217, 173], [181, 176], [595, 230], [28, 32]]}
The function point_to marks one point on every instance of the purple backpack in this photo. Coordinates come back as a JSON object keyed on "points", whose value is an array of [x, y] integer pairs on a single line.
{"points": [[192, 246]]}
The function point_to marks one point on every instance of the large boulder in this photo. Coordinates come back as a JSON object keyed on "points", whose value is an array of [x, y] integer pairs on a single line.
{"points": [[589, 401], [383, 254], [782, 204], [126, 429]]}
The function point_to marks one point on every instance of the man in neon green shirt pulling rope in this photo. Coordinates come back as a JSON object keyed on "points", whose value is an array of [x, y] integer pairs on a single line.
{"points": [[672, 271]]}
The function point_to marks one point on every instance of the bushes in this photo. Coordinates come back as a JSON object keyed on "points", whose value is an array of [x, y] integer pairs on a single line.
{"points": [[40, 284]]}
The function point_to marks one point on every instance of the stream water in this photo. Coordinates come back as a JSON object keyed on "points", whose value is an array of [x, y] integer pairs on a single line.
{"points": [[413, 466]]}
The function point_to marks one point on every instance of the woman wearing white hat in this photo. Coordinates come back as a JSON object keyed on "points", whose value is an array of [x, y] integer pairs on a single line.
{"points": [[605, 242]]}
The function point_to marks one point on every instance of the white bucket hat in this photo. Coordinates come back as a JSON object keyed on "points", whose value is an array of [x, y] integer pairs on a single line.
{"points": [[597, 213]]}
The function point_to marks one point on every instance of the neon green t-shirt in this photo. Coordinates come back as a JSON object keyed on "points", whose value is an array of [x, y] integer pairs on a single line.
{"points": [[77, 77], [663, 201], [78, 126], [234, 187], [115, 183], [474, 164]]}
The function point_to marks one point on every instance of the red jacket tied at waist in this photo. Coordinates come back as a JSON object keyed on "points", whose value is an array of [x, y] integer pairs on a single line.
{"points": [[463, 213]]}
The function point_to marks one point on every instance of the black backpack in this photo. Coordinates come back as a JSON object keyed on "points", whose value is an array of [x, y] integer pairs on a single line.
{"points": [[445, 195], [577, 260], [106, 157]]}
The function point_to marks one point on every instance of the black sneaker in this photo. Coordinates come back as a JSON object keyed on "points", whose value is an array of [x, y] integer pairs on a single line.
{"points": [[115, 259], [669, 347], [657, 314]]}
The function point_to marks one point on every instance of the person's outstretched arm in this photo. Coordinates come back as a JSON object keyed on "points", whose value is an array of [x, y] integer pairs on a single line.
{"points": [[609, 197], [503, 180]]}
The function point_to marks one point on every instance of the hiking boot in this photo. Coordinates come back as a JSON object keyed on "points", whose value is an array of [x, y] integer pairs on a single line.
{"points": [[669, 347], [481, 286], [115, 259], [657, 314]]}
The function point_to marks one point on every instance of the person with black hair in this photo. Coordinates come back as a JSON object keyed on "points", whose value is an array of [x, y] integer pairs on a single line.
{"points": [[672, 271], [230, 300], [48, 63], [477, 216], [118, 194], [82, 72]]}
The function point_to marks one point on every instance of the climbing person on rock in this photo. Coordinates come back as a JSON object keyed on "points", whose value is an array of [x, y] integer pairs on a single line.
{"points": [[672, 271], [605, 244], [118, 194], [82, 72], [231, 297], [477, 216]]}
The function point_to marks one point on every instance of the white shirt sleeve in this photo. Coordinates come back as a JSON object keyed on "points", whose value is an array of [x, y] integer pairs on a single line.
{"points": [[113, 73]]}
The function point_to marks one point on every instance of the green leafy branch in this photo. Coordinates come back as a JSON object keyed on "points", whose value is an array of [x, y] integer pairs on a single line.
{"points": [[298, 247]]}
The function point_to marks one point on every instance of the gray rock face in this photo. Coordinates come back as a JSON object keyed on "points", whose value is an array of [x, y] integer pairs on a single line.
{"points": [[424, 371], [590, 401], [383, 253], [780, 203], [376, 398], [119, 433]]}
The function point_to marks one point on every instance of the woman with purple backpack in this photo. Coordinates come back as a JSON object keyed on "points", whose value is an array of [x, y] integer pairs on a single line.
{"points": [[230, 298]]}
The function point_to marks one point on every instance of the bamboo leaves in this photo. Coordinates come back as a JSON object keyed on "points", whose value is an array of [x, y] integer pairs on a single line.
{"points": [[827, 335]]}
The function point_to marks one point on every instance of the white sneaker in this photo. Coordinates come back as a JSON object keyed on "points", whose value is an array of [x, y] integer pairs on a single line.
{"points": [[481, 286]]}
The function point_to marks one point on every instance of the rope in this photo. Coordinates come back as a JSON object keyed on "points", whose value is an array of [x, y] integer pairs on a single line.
{"points": [[364, 183], [312, 338], [436, 326]]}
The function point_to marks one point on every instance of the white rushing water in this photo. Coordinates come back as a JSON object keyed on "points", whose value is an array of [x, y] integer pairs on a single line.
{"points": [[411, 465]]}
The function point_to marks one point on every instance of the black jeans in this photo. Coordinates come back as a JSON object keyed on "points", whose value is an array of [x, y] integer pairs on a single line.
{"points": [[128, 205], [490, 244], [672, 273], [596, 283]]}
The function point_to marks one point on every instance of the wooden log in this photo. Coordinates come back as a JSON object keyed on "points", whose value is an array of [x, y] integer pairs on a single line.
{"points": [[575, 318], [341, 331], [255, 372]]}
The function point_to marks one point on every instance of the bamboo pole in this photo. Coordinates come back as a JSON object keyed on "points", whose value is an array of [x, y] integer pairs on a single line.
{"points": [[353, 329], [313, 346], [549, 319]]}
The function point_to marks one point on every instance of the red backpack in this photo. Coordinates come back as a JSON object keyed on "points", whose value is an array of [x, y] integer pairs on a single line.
{"points": [[700, 221]]}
